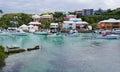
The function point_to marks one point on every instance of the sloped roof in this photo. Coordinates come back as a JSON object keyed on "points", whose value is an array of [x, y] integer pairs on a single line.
{"points": [[111, 20], [23, 25], [34, 23], [35, 16]]}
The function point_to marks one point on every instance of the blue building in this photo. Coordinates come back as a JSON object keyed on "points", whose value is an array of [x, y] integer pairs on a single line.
{"points": [[87, 12]]}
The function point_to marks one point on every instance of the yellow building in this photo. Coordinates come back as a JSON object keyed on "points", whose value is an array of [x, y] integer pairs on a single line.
{"points": [[109, 24], [46, 17]]}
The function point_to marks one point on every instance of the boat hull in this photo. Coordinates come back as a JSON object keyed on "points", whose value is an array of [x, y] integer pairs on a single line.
{"points": [[112, 36]]}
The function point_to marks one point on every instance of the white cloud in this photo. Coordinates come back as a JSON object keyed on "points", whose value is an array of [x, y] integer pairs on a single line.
{"points": [[112, 3], [38, 6]]}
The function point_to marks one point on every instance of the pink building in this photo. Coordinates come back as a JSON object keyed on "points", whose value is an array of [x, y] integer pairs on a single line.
{"points": [[70, 16]]}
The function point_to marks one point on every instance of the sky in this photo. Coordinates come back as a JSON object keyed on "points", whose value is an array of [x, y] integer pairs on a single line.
{"points": [[40, 6]]}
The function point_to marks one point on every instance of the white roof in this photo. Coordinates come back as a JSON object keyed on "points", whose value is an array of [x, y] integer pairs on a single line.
{"points": [[75, 19], [83, 22], [23, 25], [68, 22], [34, 23], [54, 24], [46, 16], [30, 26], [111, 20], [35, 16]]}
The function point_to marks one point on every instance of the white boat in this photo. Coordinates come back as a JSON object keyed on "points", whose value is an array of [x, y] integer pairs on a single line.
{"points": [[12, 46], [54, 35], [19, 32], [32, 30], [110, 36], [116, 31], [4, 34], [73, 33], [41, 33]]}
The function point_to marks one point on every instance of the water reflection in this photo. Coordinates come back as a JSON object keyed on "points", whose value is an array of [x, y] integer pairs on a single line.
{"points": [[69, 54]]}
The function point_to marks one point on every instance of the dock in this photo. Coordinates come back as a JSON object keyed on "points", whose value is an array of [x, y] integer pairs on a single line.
{"points": [[19, 50]]}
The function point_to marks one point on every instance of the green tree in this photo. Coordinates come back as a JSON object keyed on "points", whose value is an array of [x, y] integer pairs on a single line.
{"points": [[58, 16], [12, 18], [46, 24], [2, 56]]}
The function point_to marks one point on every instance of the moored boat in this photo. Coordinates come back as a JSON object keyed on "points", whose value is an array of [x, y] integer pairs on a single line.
{"points": [[19, 32], [54, 35], [4, 34], [12, 47], [73, 33], [110, 36], [41, 33], [116, 31]]}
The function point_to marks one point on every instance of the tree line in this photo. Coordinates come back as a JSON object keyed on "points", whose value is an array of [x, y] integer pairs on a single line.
{"points": [[22, 18]]}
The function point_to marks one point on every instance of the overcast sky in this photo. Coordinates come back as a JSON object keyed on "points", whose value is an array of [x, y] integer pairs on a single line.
{"points": [[40, 6]]}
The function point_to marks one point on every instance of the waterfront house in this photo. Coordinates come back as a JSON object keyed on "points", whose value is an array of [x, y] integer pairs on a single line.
{"points": [[109, 24], [54, 27], [46, 18], [74, 23], [35, 24]]}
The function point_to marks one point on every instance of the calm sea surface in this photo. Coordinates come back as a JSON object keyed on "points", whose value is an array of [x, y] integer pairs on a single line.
{"points": [[68, 54]]}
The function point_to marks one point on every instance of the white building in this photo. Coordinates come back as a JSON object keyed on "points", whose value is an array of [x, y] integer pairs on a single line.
{"points": [[54, 27], [74, 23], [34, 26]]}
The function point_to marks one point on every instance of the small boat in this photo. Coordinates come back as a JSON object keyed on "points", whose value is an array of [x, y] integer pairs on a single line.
{"points": [[116, 31], [19, 32], [110, 36], [54, 35], [32, 30], [12, 47], [73, 33], [4, 34], [41, 33]]}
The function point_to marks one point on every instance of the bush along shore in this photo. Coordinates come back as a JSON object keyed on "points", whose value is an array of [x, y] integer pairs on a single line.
{"points": [[3, 55]]}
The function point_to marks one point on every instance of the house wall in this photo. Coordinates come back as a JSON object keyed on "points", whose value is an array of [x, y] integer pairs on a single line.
{"points": [[109, 26]]}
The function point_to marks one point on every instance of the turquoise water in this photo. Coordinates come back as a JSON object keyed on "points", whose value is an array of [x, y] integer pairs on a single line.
{"points": [[68, 54]]}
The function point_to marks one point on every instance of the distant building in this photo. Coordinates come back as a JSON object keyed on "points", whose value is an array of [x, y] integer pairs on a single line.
{"points": [[35, 24], [87, 12], [74, 23], [109, 24], [79, 13], [46, 17], [69, 17], [36, 17], [54, 27], [96, 12]]}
